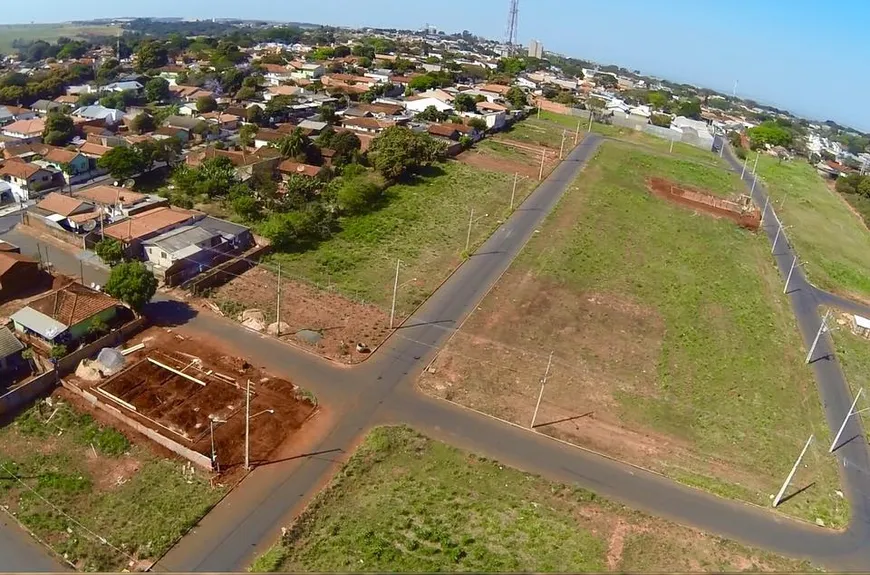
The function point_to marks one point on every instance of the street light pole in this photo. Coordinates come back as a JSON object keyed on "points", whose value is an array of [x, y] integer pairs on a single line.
{"points": [[541, 394], [514, 192], [822, 329], [791, 271], [248, 426], [468, 235], [764, 211], [849, 414], [278, 305], [213, 453], [541, 172], [791, 475], [671, 150], [396, 289], [776, 239], [562, 145], [755, 166], [743, 173], [589, 128], [577, 133]]}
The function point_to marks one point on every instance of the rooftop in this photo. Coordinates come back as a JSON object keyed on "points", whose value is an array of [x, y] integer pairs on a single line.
{"points": [[148, 223], [19, 169], [28, 127], [9, 259], [61, 204], [69, 306], [9, 344], [291, 167], [109, 195], [178, 241]]}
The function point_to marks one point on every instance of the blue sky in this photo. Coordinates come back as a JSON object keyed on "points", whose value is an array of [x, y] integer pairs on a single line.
{"points": [[788, 53]]}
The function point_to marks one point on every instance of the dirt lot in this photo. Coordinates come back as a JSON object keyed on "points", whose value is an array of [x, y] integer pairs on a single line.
{"points": [[510, 157], [339, 322], [181, 409]]}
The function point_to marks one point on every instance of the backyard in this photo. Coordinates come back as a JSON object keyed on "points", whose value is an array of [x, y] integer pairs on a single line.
{"points": [[831, 240], [73, 482], [404, 502], [671, 341]]}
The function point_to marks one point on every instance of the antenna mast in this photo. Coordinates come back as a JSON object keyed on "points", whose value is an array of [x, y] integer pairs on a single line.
{"points": [[513, 20]]}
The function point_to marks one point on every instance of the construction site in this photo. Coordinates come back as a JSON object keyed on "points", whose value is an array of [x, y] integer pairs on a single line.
{"points": [[191, 399], [742, 212]]}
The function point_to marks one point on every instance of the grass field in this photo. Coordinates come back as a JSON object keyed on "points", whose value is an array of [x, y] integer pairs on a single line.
{"points": [[853, 353], [832, 241], [672, 343], [49, 32], [72, 481], [407, 503], [540, 133], [424, 224]]}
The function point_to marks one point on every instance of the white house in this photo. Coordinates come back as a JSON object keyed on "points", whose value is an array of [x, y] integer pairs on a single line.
{"points": [[308, 72], [131, 86], [109, 115], [641, 111], [524, 82], [417, 105], [381, 76]]}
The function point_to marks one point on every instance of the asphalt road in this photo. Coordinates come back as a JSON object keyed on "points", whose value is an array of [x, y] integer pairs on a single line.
{"points": [[381, 391]]}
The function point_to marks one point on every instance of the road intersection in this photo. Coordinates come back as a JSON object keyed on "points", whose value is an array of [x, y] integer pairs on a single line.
{"points": [[381, 390]]}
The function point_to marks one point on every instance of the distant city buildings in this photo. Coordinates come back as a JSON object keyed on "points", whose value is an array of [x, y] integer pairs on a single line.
{"points": [[536, 49]]}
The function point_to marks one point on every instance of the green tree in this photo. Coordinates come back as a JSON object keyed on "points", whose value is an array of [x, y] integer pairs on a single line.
{"points": [[346, 146], [662, 120], [478, 124], [294, 144], [357, 195], [565, 97], [255, 115], [206, 104], [341, 51], [157, 90], [247, 207], [247, 133], [59, 129], [132, 283], [142, 123], [327, 114], [769, 133], [110, 251], [659, 100], [464, 103], [151, 55], [246, 93], [431, 114], [58, 352], [122, 162], [398, 151], [690, 109], [606, 81], [516, 97]]}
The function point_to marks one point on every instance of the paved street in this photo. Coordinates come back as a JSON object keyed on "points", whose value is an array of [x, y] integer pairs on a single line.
{"points": [[381, 391]]}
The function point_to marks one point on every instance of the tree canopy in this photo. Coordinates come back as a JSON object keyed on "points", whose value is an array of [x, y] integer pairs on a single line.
{"points": [[769, 133], [157, 90], [398, 152], [59, 129], [132, 283]]}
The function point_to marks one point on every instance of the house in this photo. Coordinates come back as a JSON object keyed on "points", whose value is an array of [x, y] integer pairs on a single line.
{"points": [[277, 74], [227, 122], [642, 111], [266, 136], [189, 93], [109, 115], [448, 131], [76, 162], [182, 122], [95, 151], [526, 82], [312, 127], [183, 135], [308, 71], [129, 86], [117, 201], [273, 91], [188, 109], [380, 76], [18, 274], [66, 315], [491, 107], [263, 161], [66, 206], [138, 228], [368, 125], [25, 130], [44, 107], [29, 177], [497, 89], [288, 168], [9, 114], [67, 100], [417, 104], [10, 351], [7, 194]]}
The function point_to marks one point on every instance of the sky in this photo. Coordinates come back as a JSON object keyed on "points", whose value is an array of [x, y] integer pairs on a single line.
{"points": [[787, 53]]}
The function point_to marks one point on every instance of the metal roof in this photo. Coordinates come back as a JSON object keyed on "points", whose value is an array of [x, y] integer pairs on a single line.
{"points": [[221, 227], [38, 322], [9, 344], [181, 239]]}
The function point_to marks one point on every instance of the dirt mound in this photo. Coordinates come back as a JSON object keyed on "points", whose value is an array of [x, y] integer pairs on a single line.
{"points": [[743, 213]]}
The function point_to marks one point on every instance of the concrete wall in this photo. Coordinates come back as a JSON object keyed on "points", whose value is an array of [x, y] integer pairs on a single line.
{"points": [[48, 227], [226, 271], [18, 398]]}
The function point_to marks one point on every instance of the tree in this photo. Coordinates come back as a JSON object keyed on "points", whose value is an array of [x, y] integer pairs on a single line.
{"points": [[690, 109], [206, 104], [478, 124], [662, 120], [341, 51], [327, 114], [142, 123], [58, 352], [659, 100], [151, 55], [464, 103], [398, 151], [565, 97], [247, 133], [431, 114], [255, 115], [122, 162], [359, 194], [769, 133], [294, 144], [132, 283], [346, 145], [110, 251], [247, 207], [516, 97], [157, 90], [59, 129], [608, 81], [246, 93]]}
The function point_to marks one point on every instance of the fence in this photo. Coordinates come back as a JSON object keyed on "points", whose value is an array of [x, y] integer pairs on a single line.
{"points": [[46, 226], [220, 274], [12, 401]]}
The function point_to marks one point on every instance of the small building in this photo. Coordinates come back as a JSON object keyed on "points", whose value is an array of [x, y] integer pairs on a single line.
{"points": [[289, 168], [108, 115], [10, 114], [76, 162], [128, 86], [44, 107], [10, 351], [860, 326], [29, 177], [140, 227], [367, 125], [66, 206], [18, 273], [65, 316], [25, 131]]}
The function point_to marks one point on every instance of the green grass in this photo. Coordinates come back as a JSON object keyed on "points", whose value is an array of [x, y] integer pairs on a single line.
{"points": [[73, 462], [853, 353], [689, 338], [861, 205], [540, 133], [49, 32], [404, 502], [831, 241], [424, 224]]}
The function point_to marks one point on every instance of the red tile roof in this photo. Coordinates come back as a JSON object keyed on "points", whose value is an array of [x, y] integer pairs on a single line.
{"points": [[60, 204], [148, 223], [73, 304], [19, 169], [290, 167]]}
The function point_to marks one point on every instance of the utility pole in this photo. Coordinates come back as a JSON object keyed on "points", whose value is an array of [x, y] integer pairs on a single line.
{"points": [[539, 110], [589, 128], [396, 284], [278, 305], [743, 173], [754, 180], [788, 479], [822, 329], [788, 279], [82, 271], [467, 237], [541, 394], [849, 414], [248, 426], [577, 133], [764, 211], [755, 166], [671, 151], [541, 172], [722, 147], [562, 145], [214, 465], [514, 192], [776, 239]]}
